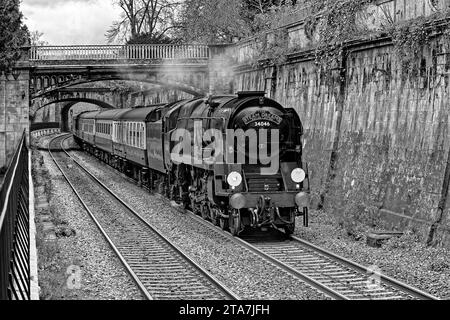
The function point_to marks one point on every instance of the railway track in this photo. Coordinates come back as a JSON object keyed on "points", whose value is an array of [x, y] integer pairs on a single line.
{"points": [[331, 274], [159, 269], [335, 276]]}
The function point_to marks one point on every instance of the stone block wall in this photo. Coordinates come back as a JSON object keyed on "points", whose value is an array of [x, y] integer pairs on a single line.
{"points": [[393, 134], [14, 109]]}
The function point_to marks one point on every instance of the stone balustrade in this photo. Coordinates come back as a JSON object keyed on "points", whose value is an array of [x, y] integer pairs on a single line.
{"points": [[120, 52]]}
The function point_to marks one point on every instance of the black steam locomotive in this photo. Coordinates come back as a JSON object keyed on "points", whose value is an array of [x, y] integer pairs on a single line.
{"points": [[234, 160]]}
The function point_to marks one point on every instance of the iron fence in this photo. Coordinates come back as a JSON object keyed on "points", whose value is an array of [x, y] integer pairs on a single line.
{"points": [[44, 125], [120, 52], [14, 229]]}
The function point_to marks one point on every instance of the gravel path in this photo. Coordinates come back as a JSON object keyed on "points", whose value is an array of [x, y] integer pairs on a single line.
{"points": [[102, 275], [244, 273]]}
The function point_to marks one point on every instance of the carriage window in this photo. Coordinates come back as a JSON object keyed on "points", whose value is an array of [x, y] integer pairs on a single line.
{"points": [[134, 134], [129, 133], [143, 136], [138, 134]]}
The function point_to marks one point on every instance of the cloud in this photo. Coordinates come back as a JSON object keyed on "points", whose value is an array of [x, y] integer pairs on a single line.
{"points": [[66, 22], [53, 3]]}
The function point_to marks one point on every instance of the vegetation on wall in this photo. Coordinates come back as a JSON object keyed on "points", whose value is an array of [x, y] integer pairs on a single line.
{"points": [[13, 33], [331, 24], [410, 37]]}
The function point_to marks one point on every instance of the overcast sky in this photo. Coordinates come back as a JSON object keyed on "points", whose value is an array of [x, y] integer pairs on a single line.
{"points": [[66, 22]]}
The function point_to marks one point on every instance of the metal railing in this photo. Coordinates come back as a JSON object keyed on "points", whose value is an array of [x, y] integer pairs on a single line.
{"points": [[120, 52], [14, 229], [44, 125], [44, 132]]}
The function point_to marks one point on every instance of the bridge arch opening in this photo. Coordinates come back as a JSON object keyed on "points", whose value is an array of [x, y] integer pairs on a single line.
{"points": [[167, 84], [67, 112], [70, 102]]}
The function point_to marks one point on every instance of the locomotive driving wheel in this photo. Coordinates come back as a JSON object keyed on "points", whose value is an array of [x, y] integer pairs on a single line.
{"points": [[234, 222], [223, 222], [194, 207], [204, 208], [213, 214], [289, 228]]}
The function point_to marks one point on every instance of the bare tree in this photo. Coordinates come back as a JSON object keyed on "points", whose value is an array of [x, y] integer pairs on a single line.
{"points": [[212, 21], [150, 18], [36, 39]]}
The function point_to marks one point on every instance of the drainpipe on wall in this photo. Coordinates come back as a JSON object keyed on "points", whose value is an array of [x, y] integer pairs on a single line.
{"points": [[4, 117], [442, 203], [273, 86], [331, 175]]}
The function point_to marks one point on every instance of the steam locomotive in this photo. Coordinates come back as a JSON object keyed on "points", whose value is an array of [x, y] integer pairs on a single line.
{"points": [[234, 160]]}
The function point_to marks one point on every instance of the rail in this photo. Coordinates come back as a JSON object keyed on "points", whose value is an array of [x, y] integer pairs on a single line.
{"points": [[14, 229], [120, 52]]}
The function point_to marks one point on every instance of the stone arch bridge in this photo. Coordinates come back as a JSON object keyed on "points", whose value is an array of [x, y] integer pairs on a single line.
{"points": [[187, 68], [44, 72], [55, 70]]}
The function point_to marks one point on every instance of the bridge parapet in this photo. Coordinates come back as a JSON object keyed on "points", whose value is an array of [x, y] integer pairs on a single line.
{"points": [[45, 132], [44, 126], [120, 53]]}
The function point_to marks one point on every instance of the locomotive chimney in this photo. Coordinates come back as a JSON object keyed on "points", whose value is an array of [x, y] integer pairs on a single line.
{"points": [[209, 101]]}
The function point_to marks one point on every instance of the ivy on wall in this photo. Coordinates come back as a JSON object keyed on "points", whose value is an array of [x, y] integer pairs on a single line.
{"points": [[331, 24], [411, 37]]}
